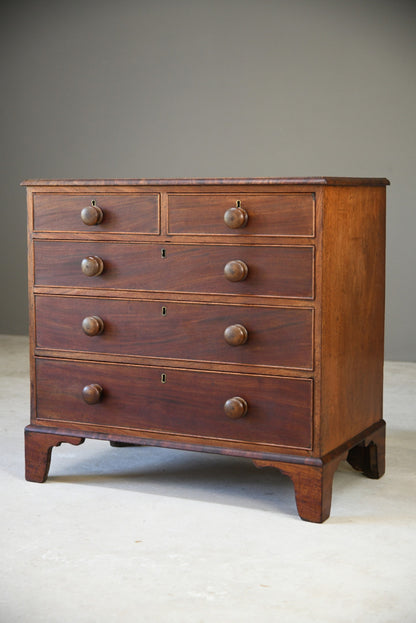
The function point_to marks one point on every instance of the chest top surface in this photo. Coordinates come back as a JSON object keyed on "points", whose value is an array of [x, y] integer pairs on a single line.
{"points": [[327, 181]]}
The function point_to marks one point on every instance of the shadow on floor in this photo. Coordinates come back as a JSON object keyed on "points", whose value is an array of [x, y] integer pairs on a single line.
{"points": [[191, 475], [162, 471]]}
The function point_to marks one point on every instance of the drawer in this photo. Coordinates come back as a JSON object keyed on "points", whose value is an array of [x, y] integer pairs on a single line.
{"points": [[135, 213], [285, 271], [275, 214], [180, 402], [274, 336]]}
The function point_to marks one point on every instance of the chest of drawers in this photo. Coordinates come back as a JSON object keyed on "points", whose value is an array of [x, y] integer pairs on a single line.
{"points": [[235, 316]]}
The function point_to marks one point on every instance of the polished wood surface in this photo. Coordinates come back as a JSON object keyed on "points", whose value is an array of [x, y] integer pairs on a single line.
{"points": [[281, 337], [352, 341], [92, 394], [263, 340], [212, 181], [38, 452], [236, 270], [185, 268], [92, 214], [236, 335], [236, 218], [58, 212], [278, 214], [92, 266], [141, 398], [236, 407], [91, 325]]}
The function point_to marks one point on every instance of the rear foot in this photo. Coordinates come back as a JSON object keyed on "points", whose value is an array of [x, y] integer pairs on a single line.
{"points": [[369, 456]]}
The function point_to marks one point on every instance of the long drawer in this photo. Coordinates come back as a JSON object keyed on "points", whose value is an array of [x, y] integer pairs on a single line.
{"points": [[283, 271], [274, 336], [174, 401], [277, 214], [59, 212]]}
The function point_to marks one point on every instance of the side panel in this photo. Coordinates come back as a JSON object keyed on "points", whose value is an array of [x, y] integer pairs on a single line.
{"points": [[352, 312]]}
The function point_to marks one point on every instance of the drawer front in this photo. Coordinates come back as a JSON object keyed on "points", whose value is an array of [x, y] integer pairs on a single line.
{"points": [[272, 270], [191, 331], [120, 213], [267, 214], [186, 403]]}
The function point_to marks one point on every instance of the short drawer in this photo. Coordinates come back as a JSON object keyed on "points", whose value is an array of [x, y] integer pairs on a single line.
{"points": [[178, 402], [277, 214], [282, 271], [130, 213], [259, 336]]}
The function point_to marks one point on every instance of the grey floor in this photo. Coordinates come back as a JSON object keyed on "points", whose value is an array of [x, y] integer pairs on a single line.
{"points": [[156, 535]]}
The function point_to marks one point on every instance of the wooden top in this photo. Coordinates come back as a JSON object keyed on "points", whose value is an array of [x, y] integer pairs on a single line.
{"points": [[328, 181]]}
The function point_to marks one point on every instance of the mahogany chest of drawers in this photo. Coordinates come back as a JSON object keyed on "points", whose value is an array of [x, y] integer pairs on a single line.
{"points": [[236, 316]]}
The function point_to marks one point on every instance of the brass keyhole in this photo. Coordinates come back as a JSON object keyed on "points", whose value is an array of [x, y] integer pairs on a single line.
{"points": [[164, 311], [163, 253], [163, 378], [93, 203]]}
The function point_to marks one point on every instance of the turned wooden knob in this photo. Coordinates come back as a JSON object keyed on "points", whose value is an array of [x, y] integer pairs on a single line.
{"points": [[236, 270], [235, 407], [236, 334], [92, 266], [92, 325], [92, 393], [236, 217], [92, 215]]}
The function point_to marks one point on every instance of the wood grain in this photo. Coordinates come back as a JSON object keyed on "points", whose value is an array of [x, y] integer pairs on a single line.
{"points": [[312, 483], [311, 305], [56, 212], [352, 312], [278, 214], [243, 181], [38, 452], [277, 336], [187, 403], [282, 271]]}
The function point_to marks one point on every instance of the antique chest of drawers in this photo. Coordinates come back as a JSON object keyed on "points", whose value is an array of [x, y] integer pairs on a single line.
{"points": [[236, 316]]}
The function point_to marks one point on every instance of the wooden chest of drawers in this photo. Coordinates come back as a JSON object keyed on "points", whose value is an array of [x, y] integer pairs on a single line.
{"points": [[235, 316]]}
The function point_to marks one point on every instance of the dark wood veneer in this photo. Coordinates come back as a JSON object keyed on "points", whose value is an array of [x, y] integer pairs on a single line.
{"points": [[212, 181], [57, 212], [235, 316], [280, 337], [282, 271], [186, 403], [267, 215]]}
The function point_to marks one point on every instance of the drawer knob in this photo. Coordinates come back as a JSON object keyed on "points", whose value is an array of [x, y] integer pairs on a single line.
{"points": [[93, 325], [236, 270], [92, 393], [235, 407], [235, 335], [92, 266], [92, 215], [236, 217]]}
